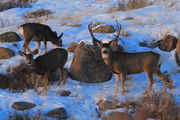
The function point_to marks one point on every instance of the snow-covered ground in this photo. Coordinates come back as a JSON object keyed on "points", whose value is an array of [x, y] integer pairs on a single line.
{"points": [[149, 24]]}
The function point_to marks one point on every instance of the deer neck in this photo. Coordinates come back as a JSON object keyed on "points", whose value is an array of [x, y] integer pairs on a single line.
{"points": [[106, 58]]}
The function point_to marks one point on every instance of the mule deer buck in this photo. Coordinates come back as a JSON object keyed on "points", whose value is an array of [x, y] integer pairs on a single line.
{"points": [[38, 32], [113, 43], [45, 64], [122, 64]]}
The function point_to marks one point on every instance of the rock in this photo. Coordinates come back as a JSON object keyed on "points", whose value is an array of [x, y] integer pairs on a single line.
{"points": [[6, 53], [167, 43], [104, 29], [72, 47], [88, 66], [58, 113], [9, 37], [65, 93], [118, 116], [107, 105], [22, 105]]}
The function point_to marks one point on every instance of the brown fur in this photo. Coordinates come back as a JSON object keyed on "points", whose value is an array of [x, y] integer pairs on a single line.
{"points": [[122, 64], [178, 52], [38, 32], [47, 63]]}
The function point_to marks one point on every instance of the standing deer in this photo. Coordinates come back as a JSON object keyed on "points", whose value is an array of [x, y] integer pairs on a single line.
{"points": [[113, 43], [38, 32], [122, 64], [45, 64]]}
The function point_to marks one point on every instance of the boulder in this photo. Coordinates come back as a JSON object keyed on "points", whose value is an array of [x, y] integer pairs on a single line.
{"points": [[65, 93], [72, 47], [107, 105], [118, 116], [104, 29], [21, 105], [9, 37], [167, 43], [58, 113], [88, 66], [6, 53]]}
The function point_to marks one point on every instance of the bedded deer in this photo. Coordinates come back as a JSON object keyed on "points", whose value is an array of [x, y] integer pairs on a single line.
{"points": [[45, 64], [38, 32], [122, 64]]}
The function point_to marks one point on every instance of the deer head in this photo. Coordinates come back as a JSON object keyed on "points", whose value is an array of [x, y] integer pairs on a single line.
{"points": [[113, 43], [29, 58]]}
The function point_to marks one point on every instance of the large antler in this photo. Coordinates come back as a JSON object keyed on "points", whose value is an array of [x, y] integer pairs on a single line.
{"points": [[118, 32], [94, 40]]}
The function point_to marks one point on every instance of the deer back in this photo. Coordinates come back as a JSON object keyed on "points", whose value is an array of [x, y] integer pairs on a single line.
{"points": [[39, 32], [133, 62], [52, 60]]}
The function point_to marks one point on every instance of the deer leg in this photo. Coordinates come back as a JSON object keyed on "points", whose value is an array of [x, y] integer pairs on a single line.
{"points": [[45, 44], [38, 44], [60, 76], [162, 77], [25, 46], [46, 76], [123, 77], [38, 77], [149, 76], [116, 78]]}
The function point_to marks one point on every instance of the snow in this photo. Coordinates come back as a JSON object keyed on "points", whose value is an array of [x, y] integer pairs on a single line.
{"points": [[149, 24]]}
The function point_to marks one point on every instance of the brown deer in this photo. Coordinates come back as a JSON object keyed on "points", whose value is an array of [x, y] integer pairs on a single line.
{"points": [[113, 43], [45, 64], [122, 64], [178, 52], [38, 32]]}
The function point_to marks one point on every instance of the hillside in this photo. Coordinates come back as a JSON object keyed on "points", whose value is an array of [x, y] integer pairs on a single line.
{"points": [[72, 18]]}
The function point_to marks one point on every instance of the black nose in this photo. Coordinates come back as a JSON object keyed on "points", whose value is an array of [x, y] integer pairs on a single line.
{"points": [[105, 51]]}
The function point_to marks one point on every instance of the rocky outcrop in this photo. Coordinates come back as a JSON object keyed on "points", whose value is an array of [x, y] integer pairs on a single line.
{"points": [[88, 66]]}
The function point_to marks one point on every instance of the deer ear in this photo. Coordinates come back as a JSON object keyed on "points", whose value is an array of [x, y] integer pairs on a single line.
{"points": [[35, 52], [99, 44], [61, 35], [55, 33], [113, 42], [21, 53]]}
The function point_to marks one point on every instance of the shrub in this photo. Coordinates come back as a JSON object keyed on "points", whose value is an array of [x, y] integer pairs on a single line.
{"points": [[130, 5], [20, 77], [161, 106], [15, 3], [37, 13]]}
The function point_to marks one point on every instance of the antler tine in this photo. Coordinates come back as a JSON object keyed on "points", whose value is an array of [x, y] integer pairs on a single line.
{"points": [[91, 32], [119, 31]]}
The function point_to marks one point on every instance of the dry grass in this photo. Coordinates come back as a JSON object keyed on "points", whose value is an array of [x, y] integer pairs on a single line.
{"points": [[15, 3], [71, 21], [38, 16], [161, 106], [21, 77], [157, 106], [37, 13], [131, 4]]}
